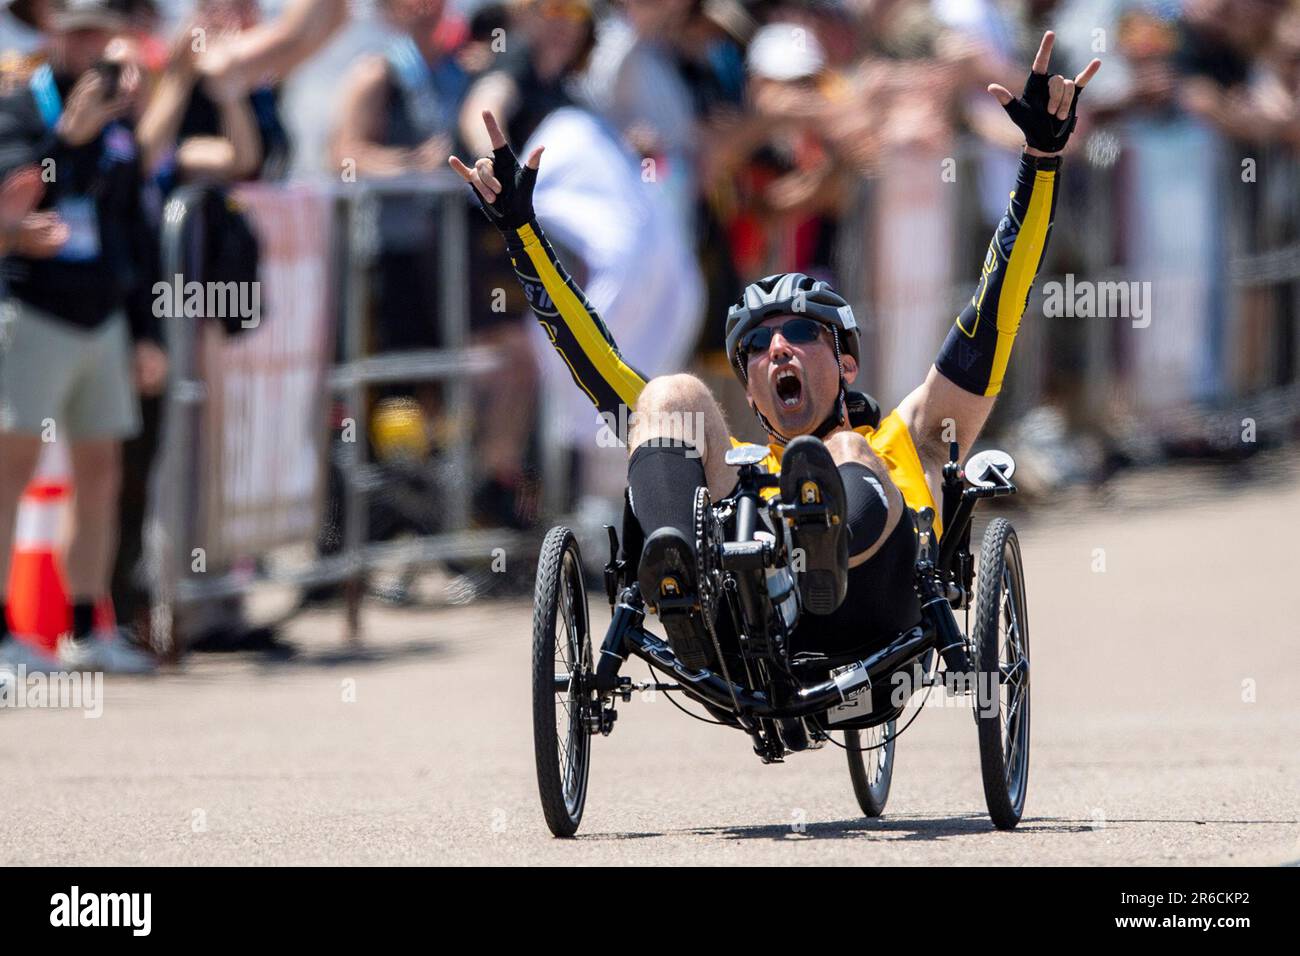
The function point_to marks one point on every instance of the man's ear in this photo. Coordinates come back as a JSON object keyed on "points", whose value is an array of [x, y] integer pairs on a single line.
{"points": [[850, 366]]}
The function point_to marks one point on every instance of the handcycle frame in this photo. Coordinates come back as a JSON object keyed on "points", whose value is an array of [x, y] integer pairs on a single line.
{"points": [[575, 697], [773, 714]]}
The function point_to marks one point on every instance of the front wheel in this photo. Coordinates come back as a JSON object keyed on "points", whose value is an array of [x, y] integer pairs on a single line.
{"points": [[1001, 645], [871, 770], [564, 698]]}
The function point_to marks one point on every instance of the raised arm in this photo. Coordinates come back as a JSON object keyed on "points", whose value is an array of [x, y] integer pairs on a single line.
{"points": [[157, 129], [276, 47], [955, 400], [505, 191]]}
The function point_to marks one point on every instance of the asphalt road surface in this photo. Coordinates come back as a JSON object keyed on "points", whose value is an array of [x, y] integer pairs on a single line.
{"points": [[1166, 725]]}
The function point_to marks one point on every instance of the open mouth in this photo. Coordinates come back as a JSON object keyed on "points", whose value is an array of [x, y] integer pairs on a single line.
{"points": [[789, 390]]}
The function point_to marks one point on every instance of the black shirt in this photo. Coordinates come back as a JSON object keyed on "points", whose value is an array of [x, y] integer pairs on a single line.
{"points": [[1200, 53], [111, 261], [203, 118]]}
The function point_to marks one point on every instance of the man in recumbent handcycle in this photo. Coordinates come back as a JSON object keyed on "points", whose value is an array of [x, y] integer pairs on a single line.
{"points": [[794, 345]]}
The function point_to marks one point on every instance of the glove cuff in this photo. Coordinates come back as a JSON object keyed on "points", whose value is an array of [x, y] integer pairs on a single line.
{"points": [[1043, 162], [514, 241]]}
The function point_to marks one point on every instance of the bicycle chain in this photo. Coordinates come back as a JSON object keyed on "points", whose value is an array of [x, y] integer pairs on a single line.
{"points": [[707, 547]]}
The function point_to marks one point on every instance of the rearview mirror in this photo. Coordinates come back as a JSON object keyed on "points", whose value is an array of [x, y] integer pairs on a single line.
{"points": [[746, 455], [991, 468]]}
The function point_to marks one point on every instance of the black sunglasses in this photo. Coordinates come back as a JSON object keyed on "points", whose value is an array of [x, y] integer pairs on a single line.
{"points": [[796, 332]]}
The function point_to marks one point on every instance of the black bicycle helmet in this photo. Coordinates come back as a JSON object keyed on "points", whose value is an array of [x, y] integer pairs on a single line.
{"points": [[791, 293]]}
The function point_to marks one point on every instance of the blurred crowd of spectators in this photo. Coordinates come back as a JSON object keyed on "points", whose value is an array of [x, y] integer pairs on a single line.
{"points": [[767, 128], [759, 128]]}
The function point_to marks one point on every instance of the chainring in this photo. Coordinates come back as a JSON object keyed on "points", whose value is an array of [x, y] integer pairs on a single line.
{"points": [[708, 551]]}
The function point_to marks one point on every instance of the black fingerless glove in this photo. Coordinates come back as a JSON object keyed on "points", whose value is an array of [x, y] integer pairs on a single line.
{"points": [[1043, 131], [514, 204]]}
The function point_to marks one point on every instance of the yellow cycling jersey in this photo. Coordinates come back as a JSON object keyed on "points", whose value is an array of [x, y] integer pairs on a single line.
{"points": [[892, 443]]}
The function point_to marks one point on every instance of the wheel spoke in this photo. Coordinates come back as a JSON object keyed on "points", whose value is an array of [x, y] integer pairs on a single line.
{"points": [[1013, 706], [566, 609], [1013, 733], [570, 763], [576, 653], [573, 690], [1015, 727]]}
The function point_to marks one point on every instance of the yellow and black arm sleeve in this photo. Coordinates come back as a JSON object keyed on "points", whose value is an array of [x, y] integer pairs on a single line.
{"points": [[577, 333], [974, 355]]}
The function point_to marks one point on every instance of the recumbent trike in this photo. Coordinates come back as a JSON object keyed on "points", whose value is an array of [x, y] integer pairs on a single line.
{"points": [[787, 703]]}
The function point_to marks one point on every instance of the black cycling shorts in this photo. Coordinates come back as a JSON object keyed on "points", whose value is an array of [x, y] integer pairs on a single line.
{"points": [[881, 601]]}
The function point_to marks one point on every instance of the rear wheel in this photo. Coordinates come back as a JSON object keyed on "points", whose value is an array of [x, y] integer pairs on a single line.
{"points": [[1001, 645], [872, 770], [564, 699]]}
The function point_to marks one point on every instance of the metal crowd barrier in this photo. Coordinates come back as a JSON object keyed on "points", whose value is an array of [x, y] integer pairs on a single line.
{"points": [[1257, 362], [181, 487]]}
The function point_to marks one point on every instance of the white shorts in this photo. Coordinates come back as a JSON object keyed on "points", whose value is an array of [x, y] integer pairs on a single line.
{"points": [[60, 380]]}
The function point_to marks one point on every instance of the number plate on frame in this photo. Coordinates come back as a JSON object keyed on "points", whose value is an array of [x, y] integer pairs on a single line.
{"points": [[858, 705]]}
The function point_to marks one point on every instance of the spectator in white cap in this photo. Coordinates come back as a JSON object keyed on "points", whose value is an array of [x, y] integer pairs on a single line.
{"points": [[21, 23], [785, 52]]}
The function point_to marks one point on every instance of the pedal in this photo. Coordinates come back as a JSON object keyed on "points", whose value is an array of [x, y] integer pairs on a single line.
{"points": [[672, 599], [677, 605], [603, 722], [959, 683], [803, 515]]}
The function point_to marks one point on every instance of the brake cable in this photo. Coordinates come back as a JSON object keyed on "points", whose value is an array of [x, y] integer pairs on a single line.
{"points": [[668, 694], [889, 740]]}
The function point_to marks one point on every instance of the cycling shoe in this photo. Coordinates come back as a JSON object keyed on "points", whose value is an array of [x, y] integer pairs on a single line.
{"points": [[669, 579], [811, 483]]}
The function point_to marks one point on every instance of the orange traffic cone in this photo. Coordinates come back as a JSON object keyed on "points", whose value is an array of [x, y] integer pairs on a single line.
{"points": [[38, 595], [38, 598]]}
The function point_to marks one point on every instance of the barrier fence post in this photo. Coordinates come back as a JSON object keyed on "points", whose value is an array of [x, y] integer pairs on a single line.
{"points": [[182, 248], [362, 238], [453, 287]]}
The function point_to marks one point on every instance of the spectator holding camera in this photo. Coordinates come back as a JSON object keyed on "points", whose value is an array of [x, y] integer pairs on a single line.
{"points": [[81, 337]]}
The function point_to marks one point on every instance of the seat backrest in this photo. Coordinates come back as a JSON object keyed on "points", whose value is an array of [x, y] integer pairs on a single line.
{"points": [[630, 541], [863, 410]]}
